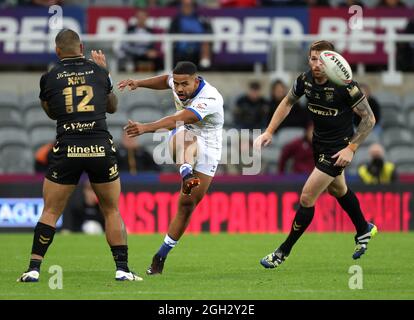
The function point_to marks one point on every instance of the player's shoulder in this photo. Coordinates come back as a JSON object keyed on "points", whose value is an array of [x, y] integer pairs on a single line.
{"points": [[209, 95]]}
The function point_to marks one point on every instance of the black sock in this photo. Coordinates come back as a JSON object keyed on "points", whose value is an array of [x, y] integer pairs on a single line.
{"points": [[350, 203], [120, 254], [303, 219], [43, 237], [35, 264]]}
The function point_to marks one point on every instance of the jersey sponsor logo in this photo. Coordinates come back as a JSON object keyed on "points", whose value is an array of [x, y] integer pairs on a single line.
{"points": [[79, 126], [201, 106], [208, 98], [86, 152], [73, 76], [322, 111]]}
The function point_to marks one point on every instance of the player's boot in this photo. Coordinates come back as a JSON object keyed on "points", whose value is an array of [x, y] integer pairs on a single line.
{"points": [[190, 182], [121, 275], [362, 241], [29, 276], [273, 259], [157, 265]]}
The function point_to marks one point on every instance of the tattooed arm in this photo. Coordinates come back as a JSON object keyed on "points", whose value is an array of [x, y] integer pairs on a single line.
{"points": [[364, 128], [367, 122]]}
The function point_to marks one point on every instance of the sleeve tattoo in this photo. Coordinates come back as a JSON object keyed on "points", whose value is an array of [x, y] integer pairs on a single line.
{"points": [[367, 121]]}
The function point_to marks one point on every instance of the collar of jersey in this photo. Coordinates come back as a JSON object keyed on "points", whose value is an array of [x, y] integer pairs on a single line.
{"points": [[200, 86], [73, 58]]}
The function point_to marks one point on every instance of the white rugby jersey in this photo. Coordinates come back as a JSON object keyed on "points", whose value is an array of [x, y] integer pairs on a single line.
{"points": [[207, 104]]}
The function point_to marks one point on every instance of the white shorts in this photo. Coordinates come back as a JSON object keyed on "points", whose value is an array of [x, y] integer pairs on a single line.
{"points": [[207, 159]]}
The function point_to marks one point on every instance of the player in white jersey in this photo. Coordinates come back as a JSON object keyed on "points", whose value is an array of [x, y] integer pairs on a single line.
{"points": [[195, 141]]}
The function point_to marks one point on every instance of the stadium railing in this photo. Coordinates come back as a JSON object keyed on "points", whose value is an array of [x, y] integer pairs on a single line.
{"points": [[390, 77]]}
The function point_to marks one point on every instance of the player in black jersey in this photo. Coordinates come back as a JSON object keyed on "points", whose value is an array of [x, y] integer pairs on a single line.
{"points": [[334, 144], [77, 93]]}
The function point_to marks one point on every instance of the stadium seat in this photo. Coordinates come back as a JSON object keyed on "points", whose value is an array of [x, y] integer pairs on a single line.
{"points": [[145, 114], [387, 98], [408, 101], [29, 100], [228, 118], [402, 154], [9, 99], [141, 99], [393, 119], [397, 136], [35, 117], [119, 118], [410, 118], [372, 138], [13, 136], [10, 118], [16, 159], [116, 133], [271, 153], [166, 100], [286, 135], [41, 135], [361, 156], [405, 167]]}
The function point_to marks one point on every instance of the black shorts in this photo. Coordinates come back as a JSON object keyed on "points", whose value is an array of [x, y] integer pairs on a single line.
{"points": [[71, 157], [322, 155]]}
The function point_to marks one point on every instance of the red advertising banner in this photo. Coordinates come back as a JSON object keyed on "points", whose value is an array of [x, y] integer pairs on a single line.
{"points": [[374, 21], [242, 207], [262, 212]]}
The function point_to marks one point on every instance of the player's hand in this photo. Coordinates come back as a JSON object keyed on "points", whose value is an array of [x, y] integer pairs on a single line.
{"points": [[263, 140], [344, 156], [99, 58], [134, 129], [131, 84]]}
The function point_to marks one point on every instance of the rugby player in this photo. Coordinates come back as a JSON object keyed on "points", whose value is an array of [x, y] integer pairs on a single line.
{"points": [[334, 144], [195, 142], [77, 93]]}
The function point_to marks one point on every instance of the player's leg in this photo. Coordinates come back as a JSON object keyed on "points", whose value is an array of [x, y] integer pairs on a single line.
{"points": [[317, 182], [116, 235], [350, 203], [186, 206], [55, 198], [183, 149]]}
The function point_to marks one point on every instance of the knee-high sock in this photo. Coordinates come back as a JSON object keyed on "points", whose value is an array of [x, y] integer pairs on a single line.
{"points": [[303, 219]]}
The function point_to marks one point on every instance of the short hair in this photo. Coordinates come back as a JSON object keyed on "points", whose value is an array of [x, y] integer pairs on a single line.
{"points": [[185, 67], [321, 45], [68, 41], [255, 85]]}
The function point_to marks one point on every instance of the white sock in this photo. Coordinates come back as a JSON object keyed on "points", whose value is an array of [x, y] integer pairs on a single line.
{"points": [[186, 169], [169, 241]]}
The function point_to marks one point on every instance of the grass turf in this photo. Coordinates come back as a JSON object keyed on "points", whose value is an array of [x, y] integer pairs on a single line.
{"points": [[215, 267]]}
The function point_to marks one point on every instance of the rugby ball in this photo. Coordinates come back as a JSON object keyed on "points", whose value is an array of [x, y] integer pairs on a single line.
{"points": [[336, 67]]}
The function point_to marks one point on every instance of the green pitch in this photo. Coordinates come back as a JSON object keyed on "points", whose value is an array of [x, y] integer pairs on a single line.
{"points": [[215, 267]]}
